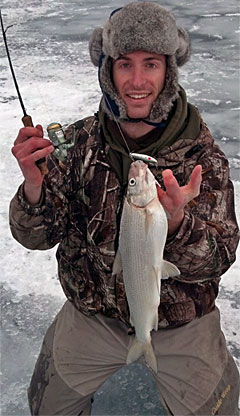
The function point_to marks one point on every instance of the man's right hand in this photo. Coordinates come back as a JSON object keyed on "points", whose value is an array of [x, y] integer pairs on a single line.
{"points": [[29, 147]]}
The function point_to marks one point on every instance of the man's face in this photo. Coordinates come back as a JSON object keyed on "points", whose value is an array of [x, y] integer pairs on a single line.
{"points": [[139, 78]]}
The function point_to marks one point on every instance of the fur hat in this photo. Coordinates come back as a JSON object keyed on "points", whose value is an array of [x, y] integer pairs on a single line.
{"points": [[139, 26]]}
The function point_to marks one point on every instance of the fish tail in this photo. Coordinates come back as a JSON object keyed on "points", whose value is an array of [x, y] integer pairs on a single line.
{"points": [[138, 349]]}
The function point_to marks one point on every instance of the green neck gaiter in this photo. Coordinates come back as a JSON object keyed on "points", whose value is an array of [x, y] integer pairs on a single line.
{"points": [[184, 121]]}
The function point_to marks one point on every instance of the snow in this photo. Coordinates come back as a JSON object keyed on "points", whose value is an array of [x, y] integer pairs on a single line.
{"points": [[48, 45]]}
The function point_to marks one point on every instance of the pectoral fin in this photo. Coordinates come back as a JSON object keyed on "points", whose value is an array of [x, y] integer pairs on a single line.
{"points": [[148, 220], [169, 270], [155, 322], [117, 264]]}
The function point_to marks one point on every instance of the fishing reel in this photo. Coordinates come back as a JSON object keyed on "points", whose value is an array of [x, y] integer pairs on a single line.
{"points": [[56, 135]]}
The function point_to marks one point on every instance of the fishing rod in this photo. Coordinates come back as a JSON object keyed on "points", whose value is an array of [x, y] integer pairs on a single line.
{"points": [[55, 130], [26, 119]]}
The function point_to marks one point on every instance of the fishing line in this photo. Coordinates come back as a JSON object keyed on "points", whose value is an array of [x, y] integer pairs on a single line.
{"points": [[119, 128], [43, 102], [133, 156]]}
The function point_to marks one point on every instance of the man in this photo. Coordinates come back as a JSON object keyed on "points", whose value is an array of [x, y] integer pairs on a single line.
{"points": [[78, 206]]}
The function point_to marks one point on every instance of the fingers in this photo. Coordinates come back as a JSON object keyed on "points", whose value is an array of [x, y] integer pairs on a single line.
{"points": [[170, 182], [31, 151], [173, 189], [28, 163], [30, 141], [27, 160], [172, 186], [26, 132], [36, 155], [39, 127], [196, 179], [176, 197], [30, 146]]}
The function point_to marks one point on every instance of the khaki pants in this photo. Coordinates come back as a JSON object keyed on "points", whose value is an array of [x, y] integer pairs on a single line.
{"points": [[196, 374]]}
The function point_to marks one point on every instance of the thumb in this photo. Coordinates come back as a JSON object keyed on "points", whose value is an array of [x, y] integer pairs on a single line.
{"points": [[160, 192], [39, 127]]}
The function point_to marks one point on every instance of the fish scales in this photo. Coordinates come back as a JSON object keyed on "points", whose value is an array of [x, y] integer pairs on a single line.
{"points": [[139, 252], [143, 232]]}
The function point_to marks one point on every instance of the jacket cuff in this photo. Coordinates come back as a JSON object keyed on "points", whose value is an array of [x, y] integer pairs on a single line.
{"points": [[183, 234], [26, 206]]}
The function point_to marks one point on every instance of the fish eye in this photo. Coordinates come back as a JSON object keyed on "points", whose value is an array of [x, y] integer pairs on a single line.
{"points": [[132, 182]]}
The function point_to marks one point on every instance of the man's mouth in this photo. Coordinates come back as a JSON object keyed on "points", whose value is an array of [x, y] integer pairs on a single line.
{"points": [[138, 96]]}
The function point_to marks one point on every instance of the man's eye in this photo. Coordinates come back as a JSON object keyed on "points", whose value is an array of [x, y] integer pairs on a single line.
{"points": [[124, 65], [151, 65]]}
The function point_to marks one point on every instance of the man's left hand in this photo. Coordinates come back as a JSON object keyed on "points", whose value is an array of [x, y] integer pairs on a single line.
{"points": [[176, 197]]}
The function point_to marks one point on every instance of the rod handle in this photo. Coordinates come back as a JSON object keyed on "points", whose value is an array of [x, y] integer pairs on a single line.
{"points": [[41, 163], [27, 121]]}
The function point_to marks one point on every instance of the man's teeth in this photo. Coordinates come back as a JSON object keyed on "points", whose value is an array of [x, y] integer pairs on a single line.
{"points": [[138, 96]]}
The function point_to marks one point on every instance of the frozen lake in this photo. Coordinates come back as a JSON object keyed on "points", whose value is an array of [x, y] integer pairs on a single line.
{"points": [[49, 50]]}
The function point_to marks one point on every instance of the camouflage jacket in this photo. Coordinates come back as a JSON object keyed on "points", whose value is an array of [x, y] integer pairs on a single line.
{"points": [[80, 210]]}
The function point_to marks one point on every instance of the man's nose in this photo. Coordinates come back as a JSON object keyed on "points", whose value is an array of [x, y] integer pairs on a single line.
{"points": [[137, 78]]}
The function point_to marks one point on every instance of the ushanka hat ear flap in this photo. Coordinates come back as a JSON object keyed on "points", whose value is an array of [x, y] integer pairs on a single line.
{"points": [[139, 26], [183, 51], [95, 45]]}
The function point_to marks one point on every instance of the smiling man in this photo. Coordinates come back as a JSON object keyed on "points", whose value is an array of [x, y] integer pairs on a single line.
{"points": [[78, 205], [139, 78]]}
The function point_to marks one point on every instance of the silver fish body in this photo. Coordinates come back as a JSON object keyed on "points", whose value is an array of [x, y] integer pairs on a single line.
{"points": [[143, 233]]}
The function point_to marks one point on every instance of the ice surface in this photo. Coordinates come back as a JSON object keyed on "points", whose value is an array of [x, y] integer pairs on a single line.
{"points": [[25, 320], [48, 44], [130, 391]]}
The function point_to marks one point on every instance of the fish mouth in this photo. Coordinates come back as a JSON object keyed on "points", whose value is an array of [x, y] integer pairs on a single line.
{"points": [[137, 168]]}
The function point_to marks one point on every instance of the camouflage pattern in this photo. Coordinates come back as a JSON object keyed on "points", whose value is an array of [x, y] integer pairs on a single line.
{"points": [[80, 209]]}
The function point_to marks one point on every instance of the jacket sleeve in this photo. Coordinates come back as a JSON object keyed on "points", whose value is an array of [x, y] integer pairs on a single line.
{"points": [[43, 226], [34, 226], [205, 245]]}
